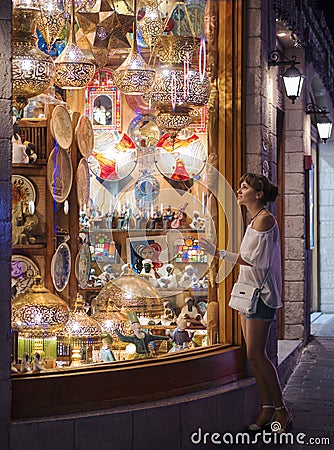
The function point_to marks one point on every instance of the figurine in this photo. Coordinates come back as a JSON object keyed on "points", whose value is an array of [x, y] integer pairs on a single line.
{"points": [[180, 218], [189, 278], [94, 280], [121, 218], [198, 223], [169, 316], [156, 219], [107, 274], [189, 310], [96, 217], [19, 150], [106, 354], [13, 369], [30, 151], [37, 367], [84, 220], [168, 280], [23, 222], [139, 338], [25, 366], [148, 272], [180, 336], [168, 217]]}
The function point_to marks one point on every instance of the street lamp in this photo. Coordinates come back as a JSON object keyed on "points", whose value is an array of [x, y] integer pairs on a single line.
{"points": [[324, 125], [292, 78]]}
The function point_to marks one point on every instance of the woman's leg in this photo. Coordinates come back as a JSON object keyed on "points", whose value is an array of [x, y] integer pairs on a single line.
{"points": [[255, 332]]}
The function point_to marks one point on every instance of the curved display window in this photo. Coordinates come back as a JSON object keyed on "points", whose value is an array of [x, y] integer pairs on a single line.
{"points": [[145, 300]]}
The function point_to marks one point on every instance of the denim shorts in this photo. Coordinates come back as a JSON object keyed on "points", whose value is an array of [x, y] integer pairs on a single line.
{"points": [[263, 312]]}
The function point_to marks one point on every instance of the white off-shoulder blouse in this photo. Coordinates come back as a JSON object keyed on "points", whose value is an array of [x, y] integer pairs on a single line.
{"points": [[262, 249]]}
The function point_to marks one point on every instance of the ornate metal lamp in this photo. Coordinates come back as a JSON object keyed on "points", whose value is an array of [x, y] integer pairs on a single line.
{"points": [[292, 78], [178, 88], [32, 70], [151, 25], [73, 69], [38, 311], [324, 125], [79, 324], [134, 76], [131, 292]]}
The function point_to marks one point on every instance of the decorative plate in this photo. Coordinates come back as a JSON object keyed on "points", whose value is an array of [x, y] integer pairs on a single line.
{"points": [[84, 265], [22, 190], [144, 131], [59, 174], [85, 136], [114, 156], [83, 183], [182, 160], [62, 126], [23, 271], [61, 267]]}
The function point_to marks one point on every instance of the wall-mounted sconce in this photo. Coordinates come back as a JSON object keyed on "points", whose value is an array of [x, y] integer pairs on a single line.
{"points": [[292, 78], [324, 125]]}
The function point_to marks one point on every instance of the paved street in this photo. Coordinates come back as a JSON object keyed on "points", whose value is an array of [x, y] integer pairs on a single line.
{"points": [[309, 394]]}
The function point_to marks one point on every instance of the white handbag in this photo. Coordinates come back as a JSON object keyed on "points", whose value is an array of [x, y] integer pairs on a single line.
{"points": [[244, 297]]}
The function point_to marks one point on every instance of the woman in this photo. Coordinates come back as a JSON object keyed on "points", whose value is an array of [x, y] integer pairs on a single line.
{"points": [[260, 251]]}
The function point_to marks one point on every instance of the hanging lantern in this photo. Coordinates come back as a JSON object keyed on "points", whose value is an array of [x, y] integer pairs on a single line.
{"points": [[178, 88], [133, 76], [39, 312], [173, 120], [151, 25], [32, 70], [51, 21], [73, 69]]}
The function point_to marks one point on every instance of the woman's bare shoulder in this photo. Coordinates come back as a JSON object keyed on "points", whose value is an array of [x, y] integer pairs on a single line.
{"points": [[264, 222]]}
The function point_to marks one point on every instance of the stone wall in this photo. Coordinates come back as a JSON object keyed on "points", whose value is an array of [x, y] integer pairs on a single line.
{"points": [[5, 216], [297, 139], [326, 212]]}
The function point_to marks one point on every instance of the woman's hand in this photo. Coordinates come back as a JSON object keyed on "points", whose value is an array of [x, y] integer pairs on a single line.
{"points": [[208, 246]]}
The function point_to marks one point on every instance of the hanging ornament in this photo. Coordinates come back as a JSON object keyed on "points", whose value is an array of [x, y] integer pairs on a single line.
{"points": [[104, 29], [73, 69], [146, 189]]}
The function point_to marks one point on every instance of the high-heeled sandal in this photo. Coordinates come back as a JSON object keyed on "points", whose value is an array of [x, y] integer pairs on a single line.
{"points": [[287, 426], [255, 427]]}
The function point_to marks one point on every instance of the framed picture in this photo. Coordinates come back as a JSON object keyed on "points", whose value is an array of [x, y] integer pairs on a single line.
{"points": [[154, 248], [103, 102]]}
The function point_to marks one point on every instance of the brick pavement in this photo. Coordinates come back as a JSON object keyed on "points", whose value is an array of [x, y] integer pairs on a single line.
{"points": [[309, 394]]}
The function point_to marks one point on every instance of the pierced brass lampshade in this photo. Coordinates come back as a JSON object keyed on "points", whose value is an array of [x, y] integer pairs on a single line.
{"points": [[38, 311], [109, 316], [151, 25], [173, 121], [131, 292], [32, 69], [73, 69], [80, 324], [134, 76]]}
